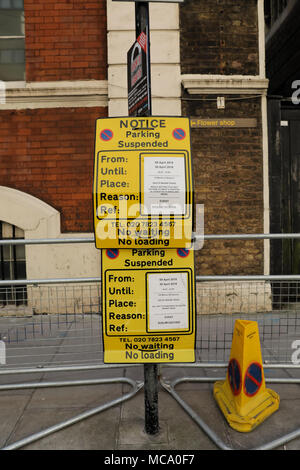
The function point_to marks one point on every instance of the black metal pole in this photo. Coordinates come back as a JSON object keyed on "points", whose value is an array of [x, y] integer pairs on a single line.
{"points": [[150, 370], [151, 399], [142, 23]]}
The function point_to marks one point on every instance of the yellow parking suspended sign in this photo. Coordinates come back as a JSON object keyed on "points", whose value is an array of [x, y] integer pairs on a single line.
{"points": [[148, 305], [143, 192]]}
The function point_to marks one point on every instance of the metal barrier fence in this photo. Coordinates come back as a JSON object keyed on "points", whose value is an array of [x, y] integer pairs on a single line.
{"points": [[62, 325], [55, 325], [58, 321]]}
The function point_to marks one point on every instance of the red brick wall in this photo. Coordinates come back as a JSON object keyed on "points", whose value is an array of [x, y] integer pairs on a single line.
{"points": [[219, 37], [228, 180], [65, 39], [49, 154]]}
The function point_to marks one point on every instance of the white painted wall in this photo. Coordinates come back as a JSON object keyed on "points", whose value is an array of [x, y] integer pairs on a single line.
{"points": [[39, 220]]}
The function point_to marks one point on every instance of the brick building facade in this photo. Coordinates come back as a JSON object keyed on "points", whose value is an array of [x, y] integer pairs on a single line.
{"points": [[47, 125], [220, 56], [75, 71], [47, 152]]}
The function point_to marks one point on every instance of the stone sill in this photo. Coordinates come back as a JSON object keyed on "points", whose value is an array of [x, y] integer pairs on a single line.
{"points": [[196, 84], [33, 95]]}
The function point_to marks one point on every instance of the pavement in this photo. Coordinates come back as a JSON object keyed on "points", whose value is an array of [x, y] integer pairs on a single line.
{"points": [[26, 412], [29, 410]]}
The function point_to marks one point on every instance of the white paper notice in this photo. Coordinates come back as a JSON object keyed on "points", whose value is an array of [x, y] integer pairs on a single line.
{"points": [[164, 185], [168, 301]]}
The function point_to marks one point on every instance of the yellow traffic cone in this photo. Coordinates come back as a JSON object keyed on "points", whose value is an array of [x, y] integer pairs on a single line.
{"points": [[243, 397]]}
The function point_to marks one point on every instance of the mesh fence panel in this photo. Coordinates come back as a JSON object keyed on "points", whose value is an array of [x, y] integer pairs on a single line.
{"points": [[58, 325]]}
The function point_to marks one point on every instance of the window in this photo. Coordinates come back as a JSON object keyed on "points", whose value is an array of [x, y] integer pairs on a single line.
{"points": [[273, 9], [12, 266], [12, 40]]}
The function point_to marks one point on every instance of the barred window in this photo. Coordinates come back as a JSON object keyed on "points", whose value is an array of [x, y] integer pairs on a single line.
{"points": [[273, 9], [12, 266], [12, 40]]}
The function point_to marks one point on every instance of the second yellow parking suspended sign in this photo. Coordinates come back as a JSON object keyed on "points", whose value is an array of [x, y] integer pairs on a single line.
{"points": [[143, 191], [148, 304]]}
